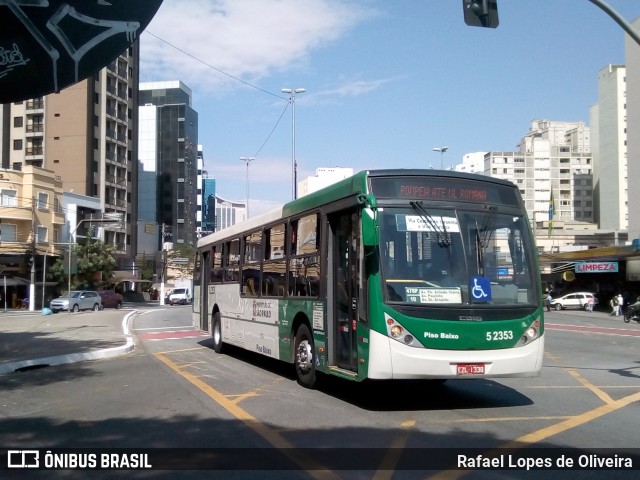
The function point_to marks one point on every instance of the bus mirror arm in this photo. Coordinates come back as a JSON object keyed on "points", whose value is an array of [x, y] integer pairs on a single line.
{"points": [[369, 227], [367, 200]]}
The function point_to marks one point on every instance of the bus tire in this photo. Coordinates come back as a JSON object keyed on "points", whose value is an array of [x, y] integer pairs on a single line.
{"points": [[305, 357], [216, 333]]}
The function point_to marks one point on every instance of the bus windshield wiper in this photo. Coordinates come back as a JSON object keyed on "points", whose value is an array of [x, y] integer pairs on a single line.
{"points": [[483, 237], [444, 240]]}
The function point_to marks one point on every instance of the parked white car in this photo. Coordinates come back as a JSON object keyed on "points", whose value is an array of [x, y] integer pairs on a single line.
{"points": [[180, 296], [573, 300]]}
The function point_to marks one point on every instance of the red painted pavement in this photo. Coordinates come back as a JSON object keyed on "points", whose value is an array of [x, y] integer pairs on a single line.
{"points": [[591, 329]]}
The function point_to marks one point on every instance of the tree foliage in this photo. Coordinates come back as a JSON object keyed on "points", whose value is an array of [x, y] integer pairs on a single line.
{"points": [[95, 260]]}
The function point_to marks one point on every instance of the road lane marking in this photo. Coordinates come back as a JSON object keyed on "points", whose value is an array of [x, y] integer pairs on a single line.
{"points": [[574, 421], [311, 467], [169, 335], [544, 433], [597, 391], [390, 460]]}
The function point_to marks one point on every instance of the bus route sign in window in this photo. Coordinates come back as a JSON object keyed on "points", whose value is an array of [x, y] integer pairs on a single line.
{"points": [[443, 189]]}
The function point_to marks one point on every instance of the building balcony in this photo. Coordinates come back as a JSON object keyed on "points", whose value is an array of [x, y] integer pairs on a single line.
{"points": [[34, 128], [37, 104], [34, 151]]}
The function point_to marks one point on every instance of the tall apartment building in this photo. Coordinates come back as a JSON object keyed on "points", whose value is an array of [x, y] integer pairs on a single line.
{"points": [[608, 119], [87, 135], [552, 156], [632, 60], [168, 178]]}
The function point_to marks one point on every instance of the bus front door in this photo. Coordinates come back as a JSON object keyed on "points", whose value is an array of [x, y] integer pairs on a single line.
{"points": [[345, 245]]}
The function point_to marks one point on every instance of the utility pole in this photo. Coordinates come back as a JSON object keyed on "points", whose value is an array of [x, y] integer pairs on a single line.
{"points": [[32, 284], [164, 265]]}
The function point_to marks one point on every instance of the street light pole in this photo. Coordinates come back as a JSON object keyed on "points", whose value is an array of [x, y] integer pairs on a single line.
{"points": [[441, 150], [247, 160], [294, 164]]}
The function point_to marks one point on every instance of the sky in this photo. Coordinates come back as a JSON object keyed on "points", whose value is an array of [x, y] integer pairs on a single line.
{"points": [[386, 81]]}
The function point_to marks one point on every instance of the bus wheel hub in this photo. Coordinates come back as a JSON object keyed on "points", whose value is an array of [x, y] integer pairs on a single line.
{"points": [[304, 356]]}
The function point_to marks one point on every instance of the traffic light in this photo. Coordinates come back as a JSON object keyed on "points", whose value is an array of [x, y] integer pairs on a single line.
{"points": [[481, 13]]}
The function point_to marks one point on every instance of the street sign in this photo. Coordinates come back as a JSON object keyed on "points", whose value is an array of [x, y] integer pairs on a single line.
{"points": [[179, 260]]}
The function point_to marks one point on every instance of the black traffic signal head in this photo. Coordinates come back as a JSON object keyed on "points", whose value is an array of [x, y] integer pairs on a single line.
{"points": [[481, 13]]}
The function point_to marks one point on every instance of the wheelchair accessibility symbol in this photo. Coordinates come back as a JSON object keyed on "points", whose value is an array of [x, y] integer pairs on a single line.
{"points": [[480, 289]]}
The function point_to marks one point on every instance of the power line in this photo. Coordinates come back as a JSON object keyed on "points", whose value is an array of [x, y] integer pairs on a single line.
{"points": [[212, 67], [233, 77]]}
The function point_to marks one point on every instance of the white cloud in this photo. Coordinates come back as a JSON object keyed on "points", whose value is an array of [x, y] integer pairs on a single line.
{"points": [[246, 39]]}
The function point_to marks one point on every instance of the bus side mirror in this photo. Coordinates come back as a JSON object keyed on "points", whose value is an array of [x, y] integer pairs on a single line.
{"points": [[369, 227]]}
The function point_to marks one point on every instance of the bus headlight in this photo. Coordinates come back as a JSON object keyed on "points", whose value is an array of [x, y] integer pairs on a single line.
{"points": [[396, 331], [530, 334], [399, 333]]}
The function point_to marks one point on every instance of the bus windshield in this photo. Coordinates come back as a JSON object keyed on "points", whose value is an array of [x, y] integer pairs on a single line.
{"points": [[463, 256]]}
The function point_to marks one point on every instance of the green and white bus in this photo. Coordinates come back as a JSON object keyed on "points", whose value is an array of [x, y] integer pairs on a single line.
{"points": [[389, 274]]}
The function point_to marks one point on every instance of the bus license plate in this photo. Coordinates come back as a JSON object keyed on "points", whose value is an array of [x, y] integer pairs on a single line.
{"points": [[470, 368]]}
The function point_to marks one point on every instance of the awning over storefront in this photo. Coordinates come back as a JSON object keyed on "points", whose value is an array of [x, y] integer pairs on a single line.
{"points": [[123, 276], [626, 252], [13, 281]]}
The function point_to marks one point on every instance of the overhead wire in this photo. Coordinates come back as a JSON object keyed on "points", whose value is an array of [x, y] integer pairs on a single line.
{"points": [[232, 77]]}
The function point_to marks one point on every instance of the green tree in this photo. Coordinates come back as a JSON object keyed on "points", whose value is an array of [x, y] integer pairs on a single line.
{"points": [[94, 257], [146, 272]]}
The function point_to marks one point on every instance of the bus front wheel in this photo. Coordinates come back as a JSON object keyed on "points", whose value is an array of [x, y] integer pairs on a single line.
{"points": [[305, 357], [217, 333]]}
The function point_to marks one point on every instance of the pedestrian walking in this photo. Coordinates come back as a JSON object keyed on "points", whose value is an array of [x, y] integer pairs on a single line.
{"points": [[590, 303], [547, 301], [620, 305], [613, 303]]}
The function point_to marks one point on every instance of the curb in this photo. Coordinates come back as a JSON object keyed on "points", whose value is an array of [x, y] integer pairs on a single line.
{"points": [[129, 346]]}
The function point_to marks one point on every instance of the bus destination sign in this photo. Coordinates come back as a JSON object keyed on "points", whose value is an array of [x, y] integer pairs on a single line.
{"points": [[442, 189]]}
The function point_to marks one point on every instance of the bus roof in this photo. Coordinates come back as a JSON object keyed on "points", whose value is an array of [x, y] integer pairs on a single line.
{"points": [[345, 188]]}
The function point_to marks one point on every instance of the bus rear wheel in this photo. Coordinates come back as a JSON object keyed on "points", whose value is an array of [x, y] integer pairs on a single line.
{"points": [[217, 333], [305, 357]]}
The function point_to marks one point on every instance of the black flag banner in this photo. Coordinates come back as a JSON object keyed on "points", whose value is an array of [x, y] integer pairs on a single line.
{"points": [[47, 45]]}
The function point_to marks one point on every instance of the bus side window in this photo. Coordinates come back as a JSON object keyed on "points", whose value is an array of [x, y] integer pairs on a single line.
{"points": [[232, 264], [217, 273]]}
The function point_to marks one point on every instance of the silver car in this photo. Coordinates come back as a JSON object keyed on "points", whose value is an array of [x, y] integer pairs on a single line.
{"points": [[80, 300]]}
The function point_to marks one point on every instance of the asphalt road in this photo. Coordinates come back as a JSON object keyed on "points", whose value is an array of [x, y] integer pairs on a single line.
{"points": [[174, 391]]}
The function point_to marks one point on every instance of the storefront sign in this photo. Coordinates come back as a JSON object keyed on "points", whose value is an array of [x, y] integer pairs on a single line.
{"points": [[597, 267]]}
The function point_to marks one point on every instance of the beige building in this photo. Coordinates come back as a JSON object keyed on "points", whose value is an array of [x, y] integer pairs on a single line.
{"points": [[31, 222]]}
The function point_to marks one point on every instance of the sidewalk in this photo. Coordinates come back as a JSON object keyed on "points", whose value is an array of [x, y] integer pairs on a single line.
{"points": [[30, 339]]}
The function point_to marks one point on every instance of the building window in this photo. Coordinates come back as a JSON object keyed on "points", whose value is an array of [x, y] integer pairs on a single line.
{"points": [[7, 232], [18, 122], [42, 234], [8, 198], [43, 201], [17, 144]]}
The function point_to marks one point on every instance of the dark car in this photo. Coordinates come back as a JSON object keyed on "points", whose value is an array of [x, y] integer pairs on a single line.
{"points": [[110, 299]]}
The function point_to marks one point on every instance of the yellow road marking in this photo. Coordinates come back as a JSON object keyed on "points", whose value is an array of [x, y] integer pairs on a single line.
{"points": [[599, 392], [311, 467], [547, 432], [501, 419], [571, 422], [390, 460]]}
